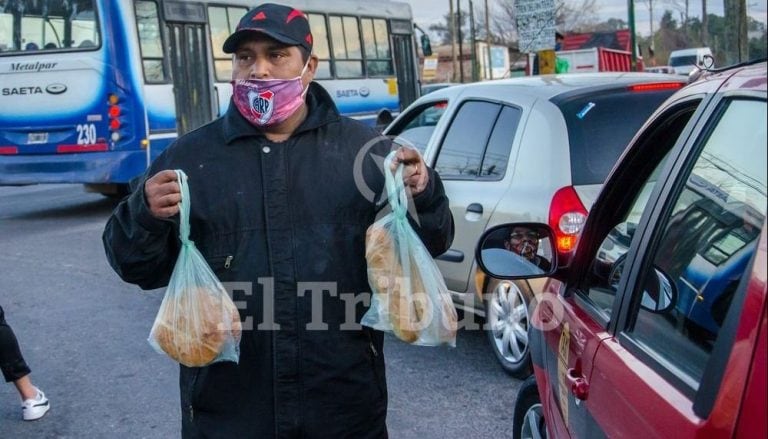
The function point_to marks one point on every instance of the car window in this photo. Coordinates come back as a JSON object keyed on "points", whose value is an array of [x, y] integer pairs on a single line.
{"points": [[607, 267], [496, 155], [600, 126], [418, 125], [627, 205], [708, 238], [687, 60], [462, 150]]}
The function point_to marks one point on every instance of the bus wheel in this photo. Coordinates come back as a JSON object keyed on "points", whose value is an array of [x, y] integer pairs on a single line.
{"points": [[111, 190]]}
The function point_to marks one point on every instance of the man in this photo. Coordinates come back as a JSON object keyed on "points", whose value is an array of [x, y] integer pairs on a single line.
{"points": [[559, 39], [34, 404], [525, 242], [277, 211]]}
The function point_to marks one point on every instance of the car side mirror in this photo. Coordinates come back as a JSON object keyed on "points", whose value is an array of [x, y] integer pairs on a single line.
{"points": [[517, 251], [660, 294]]}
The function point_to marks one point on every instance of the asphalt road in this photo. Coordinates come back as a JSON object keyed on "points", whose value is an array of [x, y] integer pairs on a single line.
{"points": [[83, 332]]}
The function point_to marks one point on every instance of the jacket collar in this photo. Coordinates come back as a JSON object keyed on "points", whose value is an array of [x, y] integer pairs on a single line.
{"points": [[321, 110]]}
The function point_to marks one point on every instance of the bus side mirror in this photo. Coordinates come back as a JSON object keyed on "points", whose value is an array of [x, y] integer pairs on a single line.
{"points": [[426, 46]]}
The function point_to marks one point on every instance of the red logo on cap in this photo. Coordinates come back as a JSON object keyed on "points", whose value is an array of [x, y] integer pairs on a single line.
{"points": [[294, 13], [308, 38], [260, 16]]}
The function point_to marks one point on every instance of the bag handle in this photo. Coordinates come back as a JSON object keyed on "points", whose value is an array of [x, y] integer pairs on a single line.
{"points": [[396, 195], [184, 205]]}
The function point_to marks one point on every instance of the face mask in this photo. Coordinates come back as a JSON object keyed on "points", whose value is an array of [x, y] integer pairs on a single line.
{"points": [[268, 102]]}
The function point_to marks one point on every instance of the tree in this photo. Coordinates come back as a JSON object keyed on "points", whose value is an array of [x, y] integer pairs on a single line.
{"points": [[682, 7], [758, 46], [669, 36], [652, 18], [576, 15], [570, 16], [736, 31], [443, 30], [610, 25]]}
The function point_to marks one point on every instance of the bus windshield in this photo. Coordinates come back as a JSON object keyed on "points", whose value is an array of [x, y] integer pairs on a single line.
{"points": [[35, 25]]}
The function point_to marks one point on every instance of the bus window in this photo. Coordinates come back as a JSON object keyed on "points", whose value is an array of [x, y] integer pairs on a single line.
{"points": [[150, 41], [347, 53], [223, 21], [378, 58], [320, 45], [32, 25]]}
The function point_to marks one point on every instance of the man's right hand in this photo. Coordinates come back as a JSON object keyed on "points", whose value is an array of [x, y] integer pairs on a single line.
{"points": [[163, 194]]}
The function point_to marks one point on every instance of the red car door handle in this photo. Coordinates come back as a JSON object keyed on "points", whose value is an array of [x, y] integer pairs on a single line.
{"points": [[579, 385]]}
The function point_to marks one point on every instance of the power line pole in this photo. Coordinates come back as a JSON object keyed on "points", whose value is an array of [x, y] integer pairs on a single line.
{"points": [[461, 44], [488, 40], [704, 24], [472, 49], [452, 24], [632, 37]]}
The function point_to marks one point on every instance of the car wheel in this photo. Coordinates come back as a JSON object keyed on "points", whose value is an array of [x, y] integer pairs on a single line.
{"points": [[528, 421], [506, 325]]}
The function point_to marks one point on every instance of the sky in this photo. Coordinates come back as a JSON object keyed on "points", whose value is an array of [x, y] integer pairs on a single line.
{"points": [[426, 12]]}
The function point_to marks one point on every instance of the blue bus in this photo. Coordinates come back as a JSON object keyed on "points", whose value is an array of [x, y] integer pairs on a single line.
{"points": [[91, 91]]}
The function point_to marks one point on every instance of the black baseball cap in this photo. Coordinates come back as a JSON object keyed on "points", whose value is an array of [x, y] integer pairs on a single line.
{"points": [[282, 23]]}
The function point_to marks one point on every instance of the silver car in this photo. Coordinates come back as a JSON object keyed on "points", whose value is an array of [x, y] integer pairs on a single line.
{"points": [[526, 149]]}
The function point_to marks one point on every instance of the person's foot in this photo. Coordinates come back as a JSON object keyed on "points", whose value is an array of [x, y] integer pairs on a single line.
{"points": [[35, 408]]}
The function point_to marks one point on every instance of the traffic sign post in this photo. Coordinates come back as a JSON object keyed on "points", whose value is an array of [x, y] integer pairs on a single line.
{"points": [[535, 25]]}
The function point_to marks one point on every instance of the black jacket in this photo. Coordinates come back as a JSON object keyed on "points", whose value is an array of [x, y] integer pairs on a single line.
{"points": [[288, 218]]}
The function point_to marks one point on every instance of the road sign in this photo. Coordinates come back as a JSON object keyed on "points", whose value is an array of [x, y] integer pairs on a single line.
{"points": [[535, 24]]}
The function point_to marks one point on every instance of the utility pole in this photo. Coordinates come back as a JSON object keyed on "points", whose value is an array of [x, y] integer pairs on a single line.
{"points": [[650, 8], [632, 38], [488, 40], [472, 49], [452, 24], [461, 44], [704, 24]]}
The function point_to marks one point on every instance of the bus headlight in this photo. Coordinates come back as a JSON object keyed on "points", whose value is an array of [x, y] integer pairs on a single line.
{"points": [[115, 136]]}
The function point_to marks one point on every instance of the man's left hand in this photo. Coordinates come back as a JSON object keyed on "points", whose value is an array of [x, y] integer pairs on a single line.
{"points": [[415, 175]]}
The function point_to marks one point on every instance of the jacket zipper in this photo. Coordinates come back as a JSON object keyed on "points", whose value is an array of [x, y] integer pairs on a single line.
{"points": [[228, 262], [375, 354], [370, 342]]}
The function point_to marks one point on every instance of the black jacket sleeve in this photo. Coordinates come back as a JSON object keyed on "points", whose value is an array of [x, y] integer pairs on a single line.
{"points": [[142, 249], [434, 224], [433, 221]]}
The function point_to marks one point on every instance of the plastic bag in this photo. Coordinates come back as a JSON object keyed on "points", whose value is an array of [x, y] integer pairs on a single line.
{"points": [[410, 298], [197, 324]]}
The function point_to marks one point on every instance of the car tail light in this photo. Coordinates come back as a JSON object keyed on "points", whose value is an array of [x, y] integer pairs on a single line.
{"points": [[567, 216], [656, 86]]}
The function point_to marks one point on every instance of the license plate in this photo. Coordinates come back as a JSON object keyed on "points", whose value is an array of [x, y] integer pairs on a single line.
{"points": [[37, 138]]}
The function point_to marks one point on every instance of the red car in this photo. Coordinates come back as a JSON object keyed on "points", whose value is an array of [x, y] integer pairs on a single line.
{"points": [[658, 326]]}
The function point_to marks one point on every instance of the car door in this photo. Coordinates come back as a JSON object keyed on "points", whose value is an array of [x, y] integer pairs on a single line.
{"points": [[472, 161], [638, 364], [664, 368], [575, 324]]}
